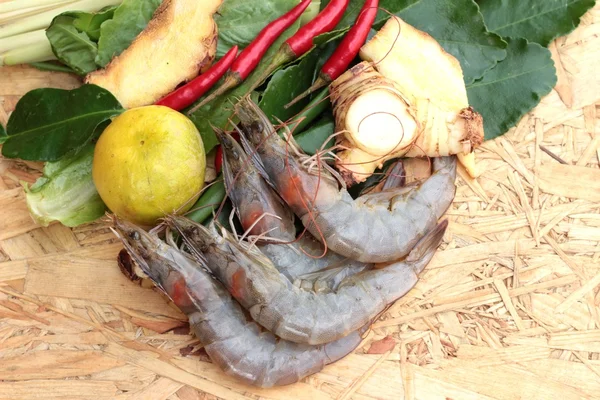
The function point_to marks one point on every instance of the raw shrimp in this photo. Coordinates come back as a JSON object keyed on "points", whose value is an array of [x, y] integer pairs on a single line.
{"points": [[294, 314], [238, 347], [261, 211], [377, 228]]}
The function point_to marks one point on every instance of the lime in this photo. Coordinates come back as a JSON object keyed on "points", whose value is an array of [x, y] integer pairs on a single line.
{"points": [[149, 162]]}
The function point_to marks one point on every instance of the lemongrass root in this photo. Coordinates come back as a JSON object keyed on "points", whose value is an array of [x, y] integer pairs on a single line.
{"points": [[43, 19], [32, 53], [22, 40], [432, 82]]}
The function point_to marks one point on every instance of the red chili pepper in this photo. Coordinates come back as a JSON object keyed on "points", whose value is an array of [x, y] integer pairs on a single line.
{"points": [[251, 55], [191, 91], [346, 51], [303, 40]]}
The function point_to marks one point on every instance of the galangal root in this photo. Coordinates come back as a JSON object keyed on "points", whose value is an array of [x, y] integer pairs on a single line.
{"points": [[407, 99], [179, 42]]}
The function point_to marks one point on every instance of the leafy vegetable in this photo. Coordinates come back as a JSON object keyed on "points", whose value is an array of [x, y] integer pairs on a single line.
{"points": [[514, 87], [90, 23], [284, 86], [66, 192], [51, 66], [311, 11], [3, 135], [129, 19], [238, 23], [458, 26], [49, 123], [71, 46], [218, 112], [73, 36], [538, 21]]}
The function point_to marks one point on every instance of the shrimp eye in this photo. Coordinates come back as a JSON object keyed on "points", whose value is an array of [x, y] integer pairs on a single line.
{"points": [[135, 235]]}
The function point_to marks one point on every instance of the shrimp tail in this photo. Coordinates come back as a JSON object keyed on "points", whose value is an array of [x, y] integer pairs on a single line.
{"points": [[424, 250]]}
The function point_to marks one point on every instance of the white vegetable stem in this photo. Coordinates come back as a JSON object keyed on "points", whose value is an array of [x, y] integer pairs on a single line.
{"points": [[22, 40], [20, 5], [6, 17], [43, 20], [33, 53]]}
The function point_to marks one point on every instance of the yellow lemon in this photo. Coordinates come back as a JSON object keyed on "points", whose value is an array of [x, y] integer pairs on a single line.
{"points": [[150, 161]]}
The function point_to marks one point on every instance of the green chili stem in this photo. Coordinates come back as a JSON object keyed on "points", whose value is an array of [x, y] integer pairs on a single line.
{"points": [[314, 109], [208, 202]]}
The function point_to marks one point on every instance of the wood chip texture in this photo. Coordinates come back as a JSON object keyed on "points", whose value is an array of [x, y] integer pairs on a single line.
{"points": [[508, 309]]}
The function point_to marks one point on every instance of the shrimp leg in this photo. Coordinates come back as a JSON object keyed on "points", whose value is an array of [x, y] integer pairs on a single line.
{"points": [[237, 346], [373, 228], [294, 314]]}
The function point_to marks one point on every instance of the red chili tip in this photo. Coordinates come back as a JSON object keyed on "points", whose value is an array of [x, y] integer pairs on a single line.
{"points": [[325, 21], [193, 90]]}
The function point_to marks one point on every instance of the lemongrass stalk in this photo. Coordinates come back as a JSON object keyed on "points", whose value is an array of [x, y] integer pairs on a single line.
{"points": [[44, 19], [18, 5], [33, 53], [22, 40], [11, 16]]}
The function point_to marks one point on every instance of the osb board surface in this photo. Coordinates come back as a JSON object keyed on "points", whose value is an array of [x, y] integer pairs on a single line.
{"points": [[508, 309]]}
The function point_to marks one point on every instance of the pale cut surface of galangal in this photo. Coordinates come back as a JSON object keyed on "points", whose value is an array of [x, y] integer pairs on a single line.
{"points": [[179, 42]]}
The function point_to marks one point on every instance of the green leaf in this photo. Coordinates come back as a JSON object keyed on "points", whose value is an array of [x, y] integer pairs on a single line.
{"points": [[66, 192], [312, 139], [129, 19], [458, 26], [284, 86], [538, 21], [240, 21], [47, 124], [514, 87], [90, 23], [218, 112], [3, 135], [53, 66], [311, 11], [72, 47]]}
